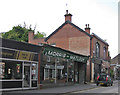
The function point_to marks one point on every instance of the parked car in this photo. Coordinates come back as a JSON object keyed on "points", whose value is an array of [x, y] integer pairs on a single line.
{"points": [[104, 79]]}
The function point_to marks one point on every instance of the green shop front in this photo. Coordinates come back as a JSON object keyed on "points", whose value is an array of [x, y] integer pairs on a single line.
{"points": [[59, 66], [18, 65]]}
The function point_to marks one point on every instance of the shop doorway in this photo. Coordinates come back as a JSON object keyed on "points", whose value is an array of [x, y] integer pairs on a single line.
{"points": [[27, 77]]}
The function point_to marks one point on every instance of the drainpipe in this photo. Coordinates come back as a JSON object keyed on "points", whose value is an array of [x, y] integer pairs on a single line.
{"points": [[90, 56]]}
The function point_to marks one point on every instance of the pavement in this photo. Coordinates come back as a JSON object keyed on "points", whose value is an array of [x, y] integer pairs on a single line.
{"points": [[61, 90]]}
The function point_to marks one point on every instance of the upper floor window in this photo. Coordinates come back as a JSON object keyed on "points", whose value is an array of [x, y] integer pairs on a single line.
{"points": [[104, 52], [97, 49]]}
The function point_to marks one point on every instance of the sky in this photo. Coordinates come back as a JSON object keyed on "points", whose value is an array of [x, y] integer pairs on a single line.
{"points": [[48, 15]]}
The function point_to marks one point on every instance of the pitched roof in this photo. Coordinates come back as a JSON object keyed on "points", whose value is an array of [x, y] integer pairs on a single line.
{"points": [[100, 39], [67, 22]]}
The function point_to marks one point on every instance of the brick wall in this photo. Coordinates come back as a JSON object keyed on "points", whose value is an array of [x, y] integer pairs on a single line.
{"points": [[80, 45], [70, 38], [102, 45]]}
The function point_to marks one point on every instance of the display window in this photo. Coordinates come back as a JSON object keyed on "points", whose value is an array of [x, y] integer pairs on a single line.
{"points": [[10, 70], [2, 70], [57, 70], [34, 71], [70, 72]]}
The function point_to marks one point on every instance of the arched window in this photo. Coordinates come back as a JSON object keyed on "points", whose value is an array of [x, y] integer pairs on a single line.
{"points": [[97, 49], [104, 52]]}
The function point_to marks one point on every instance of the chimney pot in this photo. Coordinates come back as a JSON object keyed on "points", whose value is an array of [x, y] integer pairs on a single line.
{"points": [[68, 16], [88, 25], [87, 29]]}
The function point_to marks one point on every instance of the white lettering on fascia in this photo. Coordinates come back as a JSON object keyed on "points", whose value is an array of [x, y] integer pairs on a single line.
{"points": [[56, 54]]}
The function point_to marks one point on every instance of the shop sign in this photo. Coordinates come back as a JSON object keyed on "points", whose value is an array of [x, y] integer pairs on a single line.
{"points": [[19, 55], [65, 55], [25, 56]]}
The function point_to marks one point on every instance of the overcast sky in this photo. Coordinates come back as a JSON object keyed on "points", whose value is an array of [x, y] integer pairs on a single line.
{"points": [[48, 15]]}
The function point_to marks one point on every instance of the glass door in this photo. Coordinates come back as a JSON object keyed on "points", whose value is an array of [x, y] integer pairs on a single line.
{"points": [[27, 77]]}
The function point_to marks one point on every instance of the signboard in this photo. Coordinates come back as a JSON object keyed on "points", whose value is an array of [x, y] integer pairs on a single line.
{"points": [[19, 55], [64, 54], [25, 56]]}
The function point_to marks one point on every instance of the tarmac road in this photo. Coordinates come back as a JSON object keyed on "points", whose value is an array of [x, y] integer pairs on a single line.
{"points": [[101, 89], [78, 89]]}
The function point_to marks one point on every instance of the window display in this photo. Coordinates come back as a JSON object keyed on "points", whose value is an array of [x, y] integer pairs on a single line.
{"points": [[34, 71], [2, 70], [70, 72], [58, 70], [11, 70]]}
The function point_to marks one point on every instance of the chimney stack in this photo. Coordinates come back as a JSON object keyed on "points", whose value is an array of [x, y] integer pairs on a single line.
{"points": [[87, 29], [68, 16], [30, 36]]}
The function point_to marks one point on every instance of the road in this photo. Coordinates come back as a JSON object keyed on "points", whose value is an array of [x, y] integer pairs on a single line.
{"points": [[82, 89], [101, 89]]}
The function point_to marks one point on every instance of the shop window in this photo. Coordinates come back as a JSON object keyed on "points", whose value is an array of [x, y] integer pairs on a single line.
{"points": [[46, 73], [58, 70], [53, 73], [34, 71], [50, 73], [2, 70], [11, 70], [70, 72]]}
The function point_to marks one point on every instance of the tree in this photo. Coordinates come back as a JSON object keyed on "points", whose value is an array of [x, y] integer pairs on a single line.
{"points": [[20, 33], [39, 35]]}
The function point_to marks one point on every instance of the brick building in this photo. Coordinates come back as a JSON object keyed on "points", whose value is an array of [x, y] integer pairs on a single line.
{"points": [[70, 37], [115, 67], [100, 60]]}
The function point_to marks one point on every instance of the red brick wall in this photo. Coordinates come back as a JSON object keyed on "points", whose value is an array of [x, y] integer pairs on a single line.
{"points": [[102, 45], [70, 38]]}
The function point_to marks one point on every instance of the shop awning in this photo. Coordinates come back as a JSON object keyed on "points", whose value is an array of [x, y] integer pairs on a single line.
{"points": [[61, 53]]}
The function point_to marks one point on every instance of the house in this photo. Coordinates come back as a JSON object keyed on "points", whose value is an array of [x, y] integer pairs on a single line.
{"points": [[71, 37], [100, 59]]}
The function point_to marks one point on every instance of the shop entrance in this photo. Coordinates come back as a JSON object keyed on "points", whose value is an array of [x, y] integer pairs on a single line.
{"points": [[27, 77]]}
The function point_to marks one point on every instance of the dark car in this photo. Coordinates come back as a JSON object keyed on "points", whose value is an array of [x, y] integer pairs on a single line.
{"points": [[104, 79]]}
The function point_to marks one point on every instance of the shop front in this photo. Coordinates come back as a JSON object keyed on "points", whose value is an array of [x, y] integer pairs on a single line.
{"points": [[18, 66], [62, 67]]}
